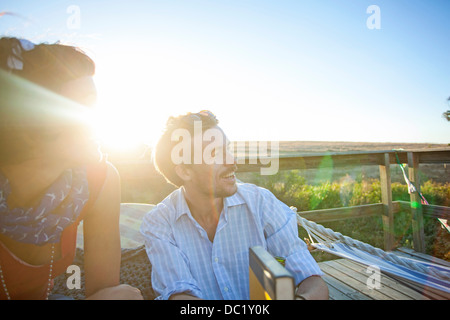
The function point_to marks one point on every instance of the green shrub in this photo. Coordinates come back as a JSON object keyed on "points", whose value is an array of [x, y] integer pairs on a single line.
{"points": [[291, 188]]}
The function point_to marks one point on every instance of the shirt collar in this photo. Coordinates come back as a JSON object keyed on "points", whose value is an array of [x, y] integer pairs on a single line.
{"points": [[234, 200], [183, 208]]}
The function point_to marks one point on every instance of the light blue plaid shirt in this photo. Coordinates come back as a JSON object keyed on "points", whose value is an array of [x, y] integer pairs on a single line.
{"points": [[184, 259]]}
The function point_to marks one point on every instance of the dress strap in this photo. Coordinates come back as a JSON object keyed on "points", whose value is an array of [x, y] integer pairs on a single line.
{"points": [[96, 176]]}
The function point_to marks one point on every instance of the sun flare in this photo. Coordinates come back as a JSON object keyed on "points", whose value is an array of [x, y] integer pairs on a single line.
{"points": [[122, 128], [122, 119]]}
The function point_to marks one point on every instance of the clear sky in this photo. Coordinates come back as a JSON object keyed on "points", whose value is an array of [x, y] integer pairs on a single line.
{"points": [[322, 70]]}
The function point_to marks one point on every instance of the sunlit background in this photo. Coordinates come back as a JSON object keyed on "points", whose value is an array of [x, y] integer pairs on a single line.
{"points": [[269, 70]]}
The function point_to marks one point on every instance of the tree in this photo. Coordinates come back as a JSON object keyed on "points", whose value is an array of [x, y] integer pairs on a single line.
{"points": [[446, 114]]}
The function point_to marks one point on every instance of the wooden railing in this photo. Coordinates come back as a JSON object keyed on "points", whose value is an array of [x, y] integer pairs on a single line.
{"points": [[387, 208], [143, 169]]}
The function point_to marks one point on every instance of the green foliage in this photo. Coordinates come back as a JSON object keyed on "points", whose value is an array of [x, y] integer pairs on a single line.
{"points": [[291, 188], [436, 193]]}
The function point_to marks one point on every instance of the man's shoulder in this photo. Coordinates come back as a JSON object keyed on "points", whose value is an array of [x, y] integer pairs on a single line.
{"points": [[168, 205], [259, 200], [173, 198], [252, 192], [252, 189]]}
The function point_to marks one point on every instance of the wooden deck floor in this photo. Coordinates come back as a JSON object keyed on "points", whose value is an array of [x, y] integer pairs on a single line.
{"points": [[347, 280]]}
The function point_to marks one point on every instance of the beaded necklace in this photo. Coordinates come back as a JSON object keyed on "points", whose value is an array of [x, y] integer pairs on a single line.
{"points": [[59, 207], [5, 288]]}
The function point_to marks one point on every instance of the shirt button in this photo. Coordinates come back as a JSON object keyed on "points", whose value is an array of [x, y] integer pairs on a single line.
{"points": [[216, 259], [225, 289]]}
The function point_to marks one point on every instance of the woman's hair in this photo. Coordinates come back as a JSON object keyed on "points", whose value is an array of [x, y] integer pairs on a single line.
{"points": [[162, 155], [47, 65]]}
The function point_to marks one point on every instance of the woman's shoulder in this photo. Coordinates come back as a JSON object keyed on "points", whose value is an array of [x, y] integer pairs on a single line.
{"points": [[101, 172], [104, 181], [105, 191]]}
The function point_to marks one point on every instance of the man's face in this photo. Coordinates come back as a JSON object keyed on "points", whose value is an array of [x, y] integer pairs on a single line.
{"points": [[215, 176]]}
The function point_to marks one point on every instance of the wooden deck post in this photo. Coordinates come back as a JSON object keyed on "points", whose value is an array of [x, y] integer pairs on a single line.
{"points": [[416, 204], [386, 199]]}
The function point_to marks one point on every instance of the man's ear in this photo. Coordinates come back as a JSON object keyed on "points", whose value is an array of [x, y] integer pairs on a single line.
{"points": [[183, 172]]}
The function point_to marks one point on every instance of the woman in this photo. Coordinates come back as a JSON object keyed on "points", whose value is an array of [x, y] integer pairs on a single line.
{"points": [[52, 176]]}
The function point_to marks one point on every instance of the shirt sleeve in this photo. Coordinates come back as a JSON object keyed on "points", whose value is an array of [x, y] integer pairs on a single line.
{"points": [[281, 231], [170, 267]]}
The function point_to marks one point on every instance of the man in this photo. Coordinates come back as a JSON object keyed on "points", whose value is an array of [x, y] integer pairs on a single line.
{"points": [[198, 238]]}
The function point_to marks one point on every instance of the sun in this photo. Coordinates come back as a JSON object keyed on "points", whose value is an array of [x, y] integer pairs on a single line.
{"points": [[122, 127], [122, 118], [137, 94]]}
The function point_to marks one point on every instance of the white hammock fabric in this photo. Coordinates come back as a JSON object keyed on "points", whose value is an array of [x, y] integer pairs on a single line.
{"points": [[417, 271]]}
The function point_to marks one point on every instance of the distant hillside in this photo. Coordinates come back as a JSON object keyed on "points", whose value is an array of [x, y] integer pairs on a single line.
{"points": [[302, 147], [143, 153]]}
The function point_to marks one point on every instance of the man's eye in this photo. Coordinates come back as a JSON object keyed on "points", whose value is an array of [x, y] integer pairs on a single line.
{"points": [[216, 152]]}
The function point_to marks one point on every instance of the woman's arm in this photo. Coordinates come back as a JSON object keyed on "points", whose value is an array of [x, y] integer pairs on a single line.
{"points": [[102, 248]]}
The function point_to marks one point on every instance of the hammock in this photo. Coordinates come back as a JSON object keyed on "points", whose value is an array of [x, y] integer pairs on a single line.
{"points": [[426, 274], [412, 189]]}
